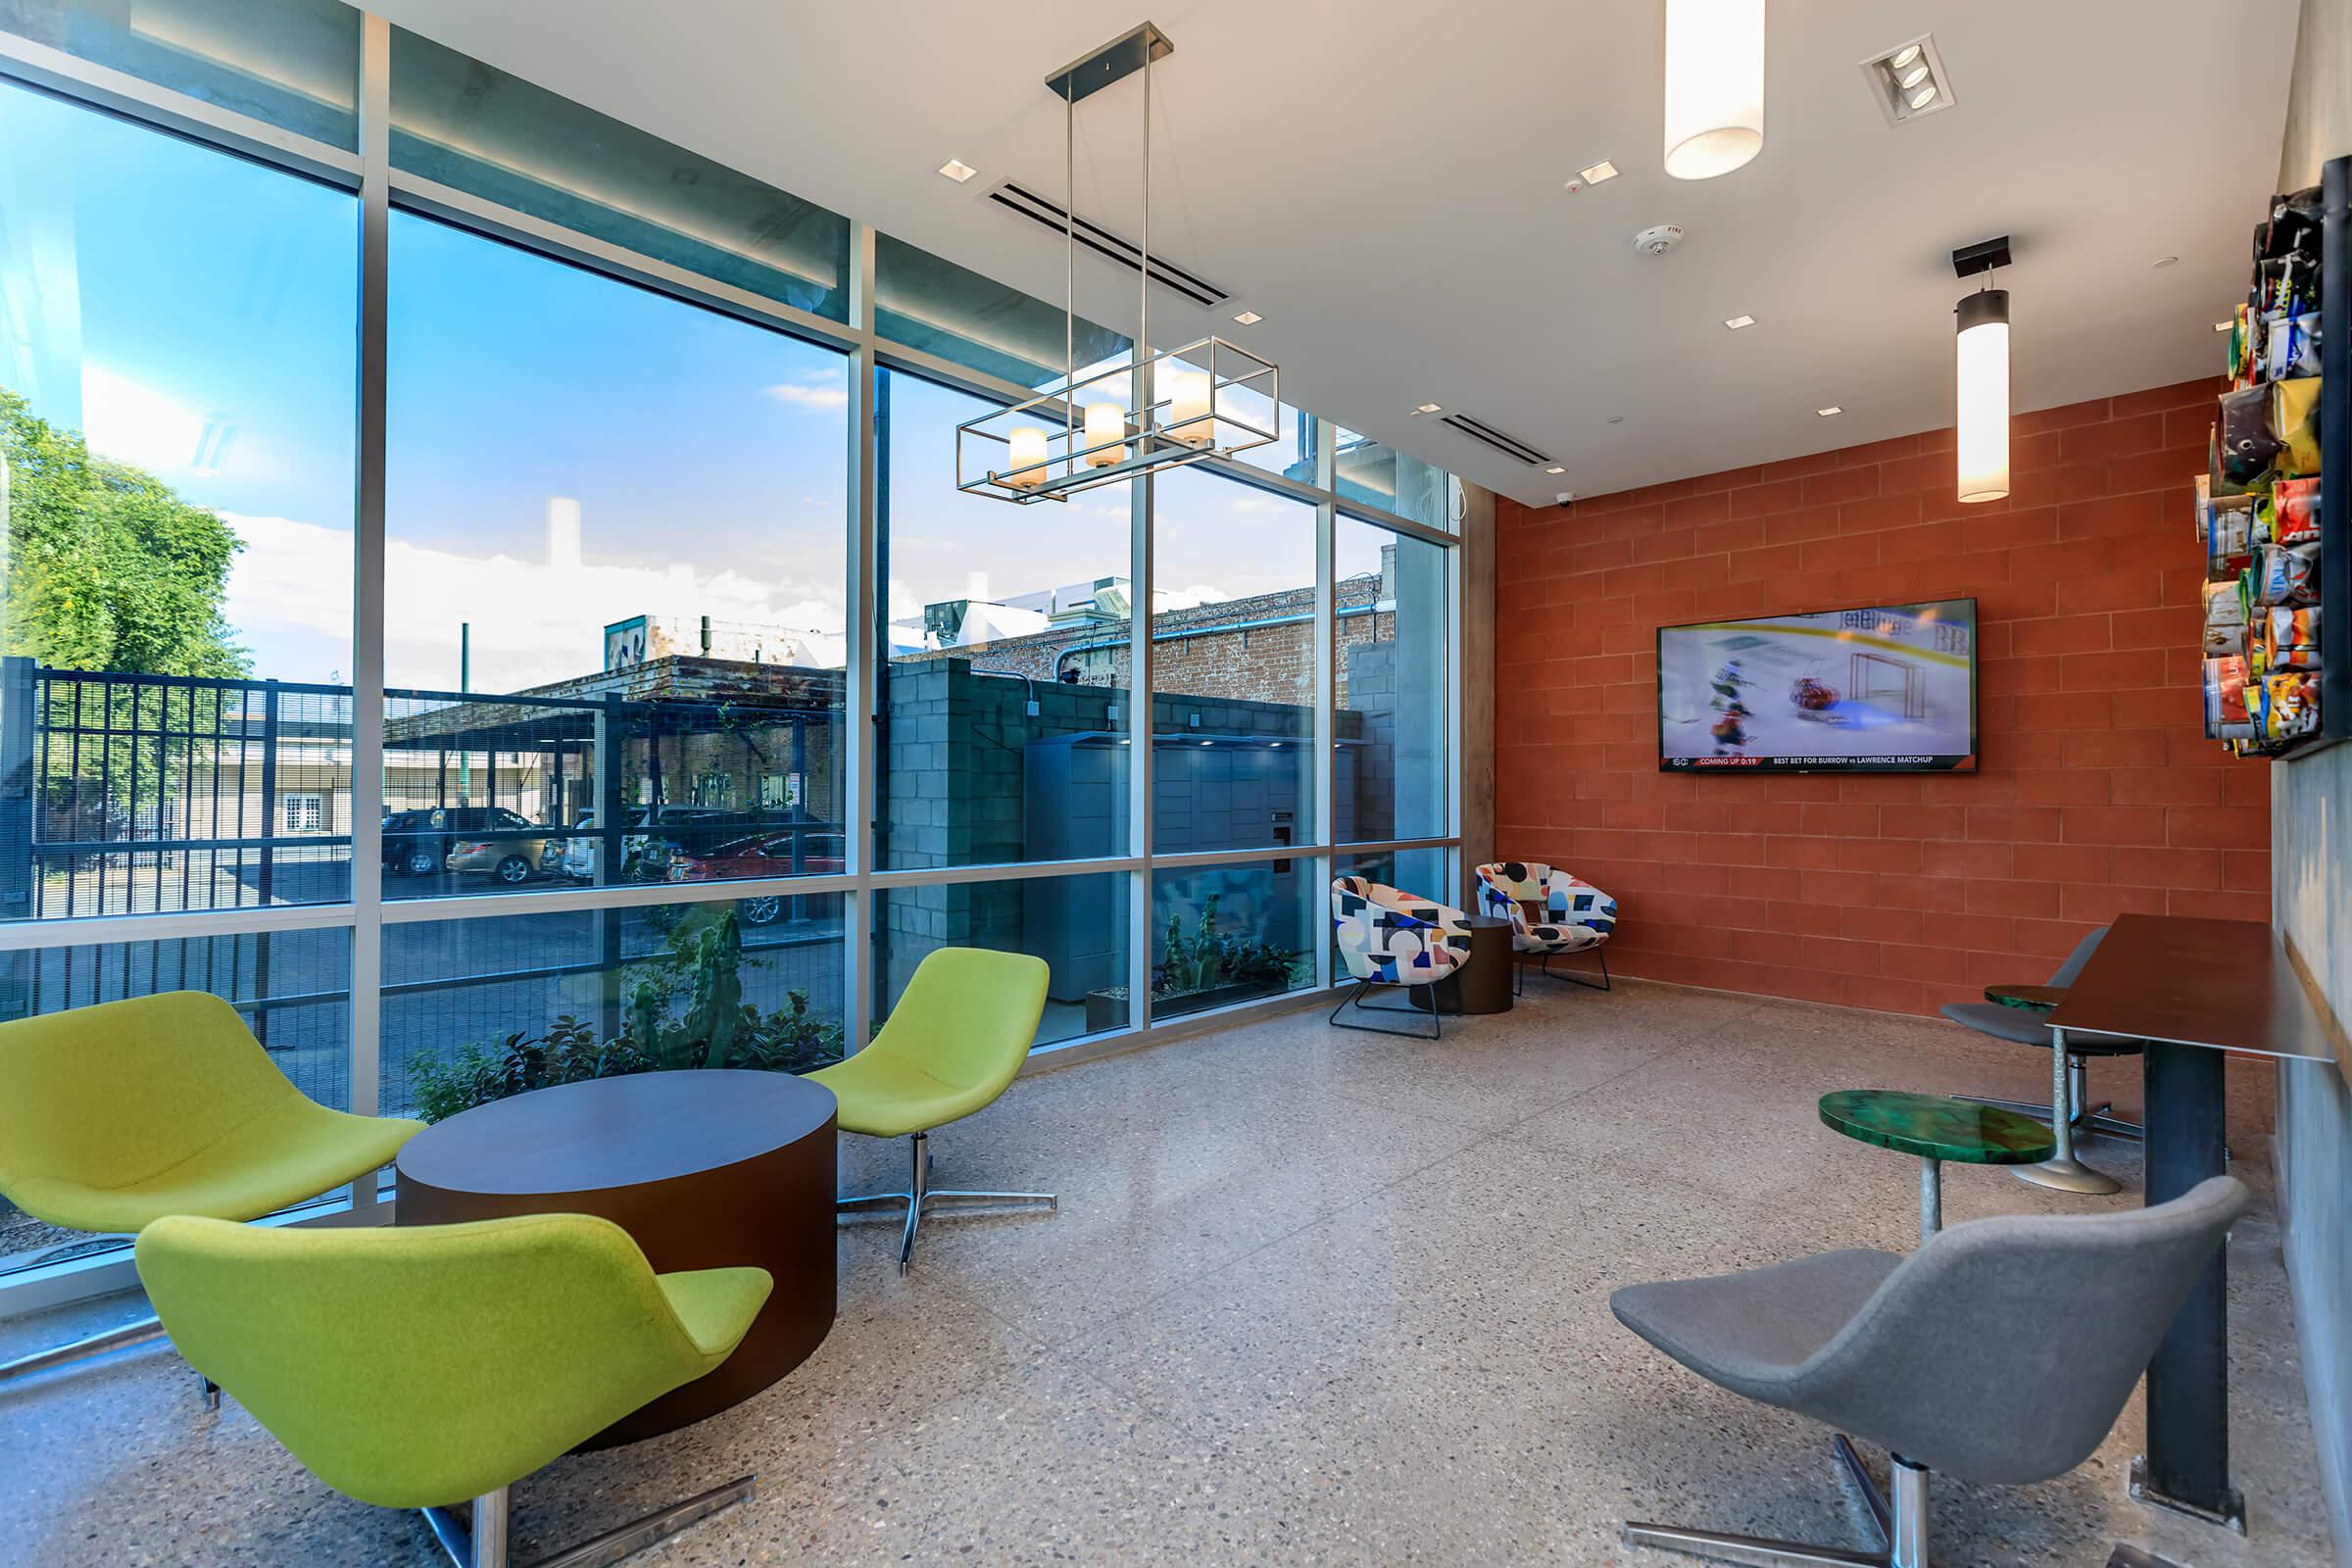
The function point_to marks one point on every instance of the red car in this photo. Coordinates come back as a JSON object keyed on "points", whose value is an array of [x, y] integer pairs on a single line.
{"points": [[767, 856]]}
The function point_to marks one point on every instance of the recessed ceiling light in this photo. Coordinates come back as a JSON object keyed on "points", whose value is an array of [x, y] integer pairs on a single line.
{"points": [[2164, 261], [1427, 407], [1738, 322], [1555, 471], [1605, 169], [1831, 408], [2223, 326], [957, 169], [1248, 317], [1909, 80], [1616, 419]]}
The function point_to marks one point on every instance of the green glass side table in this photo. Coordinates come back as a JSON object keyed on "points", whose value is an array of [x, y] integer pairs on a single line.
{"points": [[2027, 998], [1935, 1128]]}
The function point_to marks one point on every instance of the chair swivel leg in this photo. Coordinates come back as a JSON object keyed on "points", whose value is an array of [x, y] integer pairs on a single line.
{"points": [[1900, 1525], [2061, 1171], [920, 1195], [477, 1539]]}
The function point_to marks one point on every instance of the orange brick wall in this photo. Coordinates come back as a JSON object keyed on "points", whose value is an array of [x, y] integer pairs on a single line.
{"points": [[2098, 791]]}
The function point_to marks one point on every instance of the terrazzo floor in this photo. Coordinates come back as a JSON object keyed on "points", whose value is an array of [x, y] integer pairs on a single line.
{"points": [[1311, 1296]]}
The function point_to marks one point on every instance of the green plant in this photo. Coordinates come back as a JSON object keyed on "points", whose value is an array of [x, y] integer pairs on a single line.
{"points": [[1206, 957], [701, 967]]}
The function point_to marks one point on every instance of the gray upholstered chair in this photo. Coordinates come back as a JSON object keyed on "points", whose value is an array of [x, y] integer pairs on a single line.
{"points": [[2068, 1110], [1932, 1358]]}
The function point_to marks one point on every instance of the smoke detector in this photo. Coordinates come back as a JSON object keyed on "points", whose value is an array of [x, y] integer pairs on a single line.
{"points": [[1658, 239]]}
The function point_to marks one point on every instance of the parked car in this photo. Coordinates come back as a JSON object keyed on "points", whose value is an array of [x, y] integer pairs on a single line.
{"points": [[412, 845], [650, 839], [767, 855], [491, 839]]}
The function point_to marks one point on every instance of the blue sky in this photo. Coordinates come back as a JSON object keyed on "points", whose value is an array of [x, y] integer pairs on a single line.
{"points": [[195, 314]]}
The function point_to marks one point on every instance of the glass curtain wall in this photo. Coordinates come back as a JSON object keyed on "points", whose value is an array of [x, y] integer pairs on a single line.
{"points": [[697, 734]]}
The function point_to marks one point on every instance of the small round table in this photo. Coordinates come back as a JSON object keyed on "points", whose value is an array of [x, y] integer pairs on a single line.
{"points": [[2027, 998], [705, 1169], [1483, 984], [1935, 1128]]}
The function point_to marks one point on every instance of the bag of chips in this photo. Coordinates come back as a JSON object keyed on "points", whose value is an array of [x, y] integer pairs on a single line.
{"points": [[2228, 537], [2284, 574], [2290, 347], [2248, 441], [2224, 620], [2285, 706], [2294, 425], [2290, 638], [2292, 226], [2226, 717], [2291, 513]]}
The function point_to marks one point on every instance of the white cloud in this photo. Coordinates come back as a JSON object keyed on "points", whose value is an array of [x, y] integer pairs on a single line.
{"points": [[817, 390], [289, 598]]}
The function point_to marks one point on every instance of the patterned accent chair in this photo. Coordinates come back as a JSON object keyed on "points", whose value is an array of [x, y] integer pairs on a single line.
{"points": [[1552, 912], [1390, 938]]}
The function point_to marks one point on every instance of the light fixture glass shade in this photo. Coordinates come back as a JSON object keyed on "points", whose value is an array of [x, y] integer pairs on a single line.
{"points": [[1714, 85], [1025, 465], [1106, 434], [1984, 396]]}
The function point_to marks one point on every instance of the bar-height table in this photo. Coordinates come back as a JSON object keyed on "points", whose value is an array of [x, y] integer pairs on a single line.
{"points": [[2192, 990]]}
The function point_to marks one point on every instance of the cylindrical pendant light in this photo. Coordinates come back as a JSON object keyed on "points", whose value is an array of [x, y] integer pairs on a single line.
{"points": [[1983, 386], [1714, 85]]}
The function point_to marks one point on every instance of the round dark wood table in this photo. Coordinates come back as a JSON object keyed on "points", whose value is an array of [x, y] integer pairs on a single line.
{"points": [[1483, 984], [703, 1169]]}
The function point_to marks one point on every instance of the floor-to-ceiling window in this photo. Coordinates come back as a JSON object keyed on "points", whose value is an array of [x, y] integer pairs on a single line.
{"points": [[698, 733], [176, 333]]}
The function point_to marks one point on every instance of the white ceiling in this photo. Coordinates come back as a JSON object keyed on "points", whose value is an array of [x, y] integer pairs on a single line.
{"points": [[1382, 179]]}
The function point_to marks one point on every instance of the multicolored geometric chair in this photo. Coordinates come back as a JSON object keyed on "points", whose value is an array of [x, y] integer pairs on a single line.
{"points": [[1390, 938], [1552, 912]]}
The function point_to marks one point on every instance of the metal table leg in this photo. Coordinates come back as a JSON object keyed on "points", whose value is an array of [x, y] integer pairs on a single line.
{"points": [[1931, 1198], [2062, 1170], [2187, 1463]]}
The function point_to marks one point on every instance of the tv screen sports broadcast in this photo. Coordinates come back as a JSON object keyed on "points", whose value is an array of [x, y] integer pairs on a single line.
{"points": [[1884, 690]]}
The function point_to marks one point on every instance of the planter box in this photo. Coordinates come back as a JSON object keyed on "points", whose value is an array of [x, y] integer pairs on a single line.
{"points": [[1106, 1009]]}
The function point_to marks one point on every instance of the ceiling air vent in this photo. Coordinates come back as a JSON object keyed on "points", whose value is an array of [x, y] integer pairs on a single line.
{"points": [[1047, 213], [1510, 446], [1908, 80]]}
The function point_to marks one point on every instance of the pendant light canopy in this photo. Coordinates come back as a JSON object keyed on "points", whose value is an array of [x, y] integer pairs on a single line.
{"points": [[1982, 378], [1714, 85]]}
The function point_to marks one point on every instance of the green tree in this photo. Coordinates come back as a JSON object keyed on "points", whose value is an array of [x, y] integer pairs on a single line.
{"points": [[107, 568]]}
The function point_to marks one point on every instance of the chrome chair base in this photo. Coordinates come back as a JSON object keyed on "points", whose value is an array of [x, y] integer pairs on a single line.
{"points": [[2067, 1175], [480, 1541], [921, 1195], [1901, 1528], [1435, 1014]]}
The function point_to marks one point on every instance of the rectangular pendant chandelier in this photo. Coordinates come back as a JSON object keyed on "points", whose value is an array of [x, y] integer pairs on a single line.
{"points": [[1159, 411]]}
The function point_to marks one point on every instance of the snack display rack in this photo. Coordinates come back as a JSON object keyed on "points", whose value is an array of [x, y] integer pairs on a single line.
{"points": [[2276, 538]]}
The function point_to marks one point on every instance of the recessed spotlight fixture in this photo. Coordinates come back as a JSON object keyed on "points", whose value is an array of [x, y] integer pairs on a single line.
{"points": [[1908, 80], [1555, 471], [1736, 323], [1427, 407], [1248, 317], [1831, 408], [1605, 169], [1616, 419], [2164, 261], [957, 169]]}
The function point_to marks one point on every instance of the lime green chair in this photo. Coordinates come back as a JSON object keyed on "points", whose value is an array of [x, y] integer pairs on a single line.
{"points": [[955, 1041], [420, 1366], [115, 1116]]}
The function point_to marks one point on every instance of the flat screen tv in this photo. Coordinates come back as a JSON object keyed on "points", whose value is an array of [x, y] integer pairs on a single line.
{"points": [[1887, 689]]}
